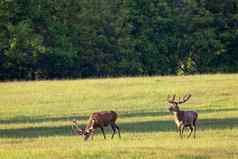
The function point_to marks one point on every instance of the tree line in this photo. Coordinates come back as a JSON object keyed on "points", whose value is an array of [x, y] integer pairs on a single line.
{"points": [[47, 39]]}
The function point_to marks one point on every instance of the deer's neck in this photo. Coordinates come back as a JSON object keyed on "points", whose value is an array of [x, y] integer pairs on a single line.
{"points": [[179, 115]]}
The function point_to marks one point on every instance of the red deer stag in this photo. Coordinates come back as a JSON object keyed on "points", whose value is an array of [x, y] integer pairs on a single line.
{"points": [[97, 120], [183, 119]]}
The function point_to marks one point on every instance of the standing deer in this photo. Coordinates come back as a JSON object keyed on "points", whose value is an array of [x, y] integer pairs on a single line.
{"points": [[183, 119], [97, 120]]}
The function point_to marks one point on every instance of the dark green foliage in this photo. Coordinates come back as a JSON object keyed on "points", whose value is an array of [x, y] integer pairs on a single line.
{"points": [[45, 39]]}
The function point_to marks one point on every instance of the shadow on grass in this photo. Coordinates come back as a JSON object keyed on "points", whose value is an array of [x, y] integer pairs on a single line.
{"points": [[213, 110], [29, 119], [169, 125], [34, 132], [138, 127], [142, 114], [40, 119]]}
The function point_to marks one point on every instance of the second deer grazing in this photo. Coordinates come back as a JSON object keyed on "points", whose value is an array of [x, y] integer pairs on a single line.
{"points": [[97, 120], [183, 119]]}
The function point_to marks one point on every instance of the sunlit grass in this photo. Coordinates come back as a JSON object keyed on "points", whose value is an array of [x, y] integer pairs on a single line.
{"points": [[36, 117]]}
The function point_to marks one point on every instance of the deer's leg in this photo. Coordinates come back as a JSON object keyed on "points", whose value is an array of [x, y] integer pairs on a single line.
{"points": [[194, 133], [195, 127], [93, 133], [181, 130], [103, 132], [177, 128], [113, 129], [191, 130], [118, 129]]}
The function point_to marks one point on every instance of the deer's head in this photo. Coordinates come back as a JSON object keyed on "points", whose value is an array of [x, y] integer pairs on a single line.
{"points": [[173, 103], [85, 133], [75, 128]]}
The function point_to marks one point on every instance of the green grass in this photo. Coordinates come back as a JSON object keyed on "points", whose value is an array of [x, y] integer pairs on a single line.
{"points": [[35, 118]]}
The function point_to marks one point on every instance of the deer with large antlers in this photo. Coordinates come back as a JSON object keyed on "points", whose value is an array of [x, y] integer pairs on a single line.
{"points": [[97, 120], [183, 119]]}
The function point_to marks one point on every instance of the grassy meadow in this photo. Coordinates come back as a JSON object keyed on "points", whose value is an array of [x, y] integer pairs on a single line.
{"points": [[35, 118]]}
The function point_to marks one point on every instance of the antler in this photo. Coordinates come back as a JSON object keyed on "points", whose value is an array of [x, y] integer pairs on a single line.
{"points": [[171, 100], [185, 99], [75, 124]]}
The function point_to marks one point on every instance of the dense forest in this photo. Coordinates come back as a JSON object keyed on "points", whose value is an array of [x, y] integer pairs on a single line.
{"points": [[47, 39]]}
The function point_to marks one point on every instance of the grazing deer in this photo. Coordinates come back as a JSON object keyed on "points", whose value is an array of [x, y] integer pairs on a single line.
{"points": [[97, 120], [75, 128], [183, 119]]}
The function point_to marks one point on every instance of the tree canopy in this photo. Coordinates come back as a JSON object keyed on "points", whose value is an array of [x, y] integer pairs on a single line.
{"points": [[45, 39]]}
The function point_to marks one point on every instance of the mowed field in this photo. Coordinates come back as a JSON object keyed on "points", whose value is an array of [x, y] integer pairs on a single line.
{"points": [[35, 118]]}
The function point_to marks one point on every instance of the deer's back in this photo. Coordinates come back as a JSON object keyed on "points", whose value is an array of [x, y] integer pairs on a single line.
{"points": [[189, 116], [103, 118]]}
